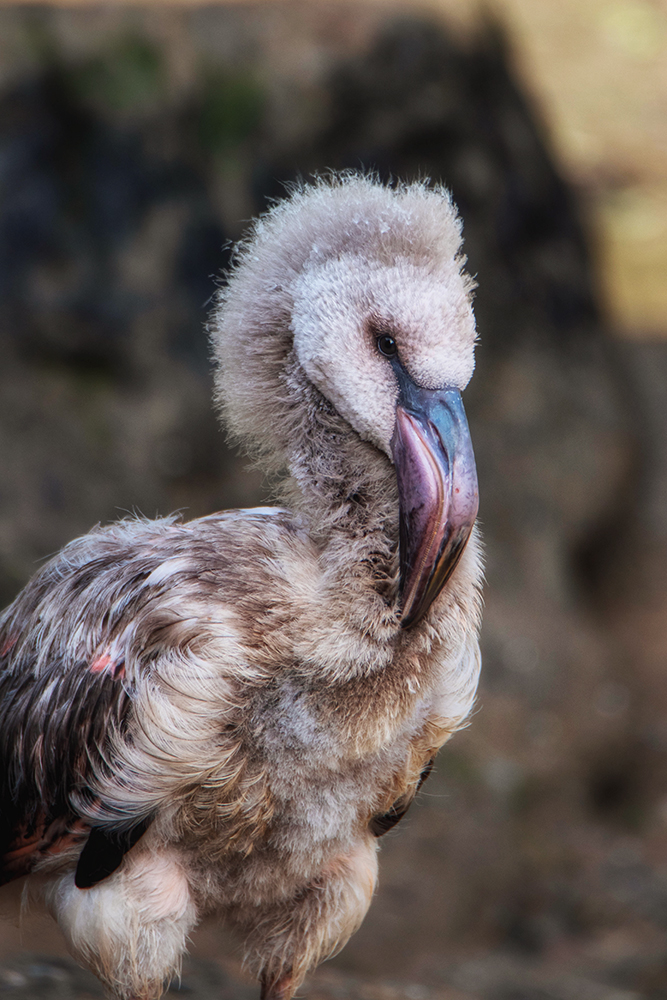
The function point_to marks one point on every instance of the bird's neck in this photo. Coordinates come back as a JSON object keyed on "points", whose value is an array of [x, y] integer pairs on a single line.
{"points": [[345, 491]]}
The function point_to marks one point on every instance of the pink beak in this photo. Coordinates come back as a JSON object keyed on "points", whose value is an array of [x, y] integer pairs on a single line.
{"points": [[437, 488]]}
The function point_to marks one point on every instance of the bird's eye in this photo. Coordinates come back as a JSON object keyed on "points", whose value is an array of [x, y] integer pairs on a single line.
{"points": [[387, 346]]}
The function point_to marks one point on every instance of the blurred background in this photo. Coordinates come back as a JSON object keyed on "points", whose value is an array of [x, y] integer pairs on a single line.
{"points": [[135, 142]]}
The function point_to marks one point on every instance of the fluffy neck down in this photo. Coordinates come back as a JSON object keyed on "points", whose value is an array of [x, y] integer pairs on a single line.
{"points": [[344, 491]]}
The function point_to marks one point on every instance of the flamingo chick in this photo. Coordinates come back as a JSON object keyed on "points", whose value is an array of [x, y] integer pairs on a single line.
{"points": [[223, 716]]}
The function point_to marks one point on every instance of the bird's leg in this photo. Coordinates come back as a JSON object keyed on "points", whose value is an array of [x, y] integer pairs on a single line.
{"points": [[278, 988], [291, 938]]}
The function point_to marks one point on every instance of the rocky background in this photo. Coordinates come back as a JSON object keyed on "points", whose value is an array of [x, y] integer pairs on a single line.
{"points": [[133, 144]]}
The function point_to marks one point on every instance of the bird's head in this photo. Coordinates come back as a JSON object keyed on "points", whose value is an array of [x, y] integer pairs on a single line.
{"points": [[360, 288]]}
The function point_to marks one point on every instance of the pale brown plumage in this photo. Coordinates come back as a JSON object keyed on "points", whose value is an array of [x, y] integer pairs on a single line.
{"points": [[223, 715]]}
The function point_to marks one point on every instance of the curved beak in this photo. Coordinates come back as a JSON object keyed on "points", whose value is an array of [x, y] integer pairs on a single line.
{"points": [[437, 489]]}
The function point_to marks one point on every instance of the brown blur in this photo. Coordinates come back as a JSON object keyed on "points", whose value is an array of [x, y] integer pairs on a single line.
{"points": [[134, 142]]}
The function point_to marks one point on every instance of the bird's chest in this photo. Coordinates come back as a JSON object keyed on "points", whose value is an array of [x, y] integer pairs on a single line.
{"points": [[328, 770]]}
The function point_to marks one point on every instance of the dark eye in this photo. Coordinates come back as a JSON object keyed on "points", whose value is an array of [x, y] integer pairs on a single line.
{"points": [[387, 345]]}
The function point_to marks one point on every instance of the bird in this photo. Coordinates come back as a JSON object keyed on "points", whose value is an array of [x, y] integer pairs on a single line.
{"points": [[222, 716]]}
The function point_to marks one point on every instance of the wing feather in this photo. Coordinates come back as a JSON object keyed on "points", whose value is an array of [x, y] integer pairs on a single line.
{"points": [[53, 730], [384, 822], [122, 674], [62, 701]]}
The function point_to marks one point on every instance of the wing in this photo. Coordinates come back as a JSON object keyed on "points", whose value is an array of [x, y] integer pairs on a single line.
{"points": [[67, 696], [384, 822], [57, 712], [53, 729], [104, 851], [122, 676]]}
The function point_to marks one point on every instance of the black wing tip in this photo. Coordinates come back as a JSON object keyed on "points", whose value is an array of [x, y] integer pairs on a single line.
{"points": [[103, 853]]}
